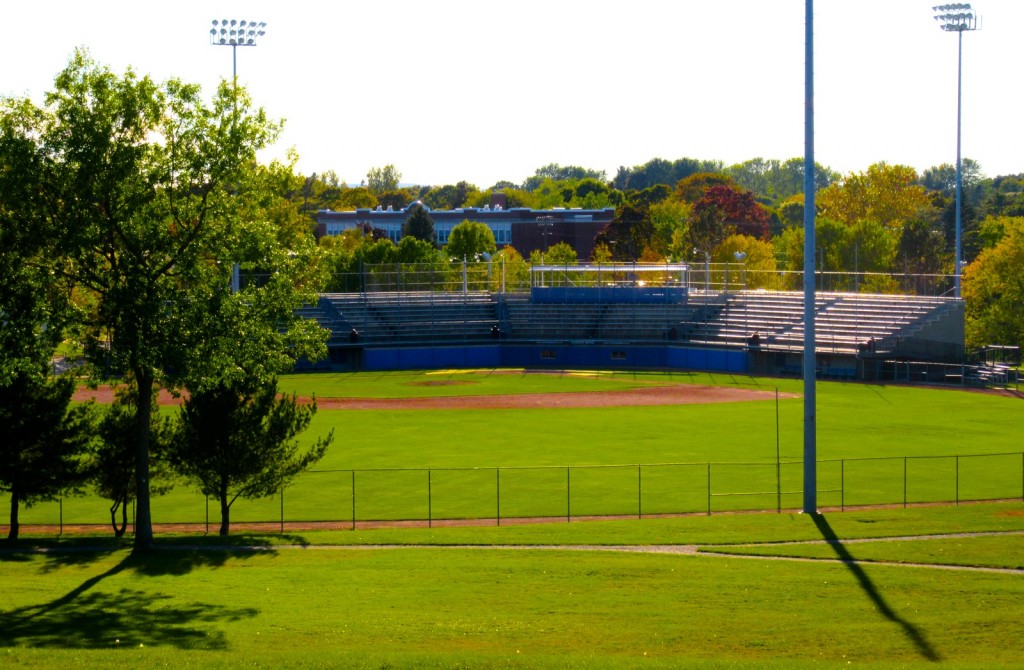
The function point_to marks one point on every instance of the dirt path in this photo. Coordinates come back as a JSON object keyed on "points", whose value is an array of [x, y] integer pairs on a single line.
{"points": [[703, 550], [677, 394]]}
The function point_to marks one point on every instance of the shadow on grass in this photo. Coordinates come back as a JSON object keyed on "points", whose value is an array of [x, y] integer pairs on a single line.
{"points": [[911, 631], [87, 619], [175, 556]]}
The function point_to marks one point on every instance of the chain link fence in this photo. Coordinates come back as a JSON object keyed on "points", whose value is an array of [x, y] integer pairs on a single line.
{"points": [[447, 496]]}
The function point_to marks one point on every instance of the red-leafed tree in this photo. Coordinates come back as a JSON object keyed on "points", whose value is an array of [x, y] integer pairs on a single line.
{"points": [[739, 208]]}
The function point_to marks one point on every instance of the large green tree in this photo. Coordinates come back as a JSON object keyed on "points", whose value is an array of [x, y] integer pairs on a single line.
{"points": [[470, 240], [238, 441], [148, 190], [380, 180], [993, 291]]}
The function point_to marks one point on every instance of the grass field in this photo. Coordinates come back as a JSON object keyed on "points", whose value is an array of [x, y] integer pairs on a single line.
{"points": [[307, 601], [724, 591], [877, 444]]}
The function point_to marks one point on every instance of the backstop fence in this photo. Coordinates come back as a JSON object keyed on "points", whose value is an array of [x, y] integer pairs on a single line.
{"points": [[501, 495]]}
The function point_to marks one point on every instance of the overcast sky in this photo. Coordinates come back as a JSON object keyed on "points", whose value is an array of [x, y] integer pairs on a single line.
{"points": [[488, 90]]}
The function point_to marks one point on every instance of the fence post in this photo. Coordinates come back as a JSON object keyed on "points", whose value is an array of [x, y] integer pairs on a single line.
{"points": [[60, 505], [353, 500], [639, 492], [430, 502], [207, 515], [282, 509], [497, 495], [709, 489], [568, 497], [778, 453]]}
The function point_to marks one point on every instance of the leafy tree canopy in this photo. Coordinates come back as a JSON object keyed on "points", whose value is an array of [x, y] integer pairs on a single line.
{"points": [[470, 240], [380, 180], [993, 291], [556, 172]]}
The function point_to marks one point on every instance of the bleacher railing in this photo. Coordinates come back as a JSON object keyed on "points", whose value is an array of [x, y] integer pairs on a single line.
{"points": [[499, 276]]}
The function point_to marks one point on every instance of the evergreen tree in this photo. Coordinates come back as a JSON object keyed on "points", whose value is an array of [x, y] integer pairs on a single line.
{"points": [[420, 225]]}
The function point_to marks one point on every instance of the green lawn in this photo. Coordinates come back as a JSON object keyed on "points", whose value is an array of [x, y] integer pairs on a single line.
{"points": [[1000, 551], [514, 596], [877, 444], [199, 604]]}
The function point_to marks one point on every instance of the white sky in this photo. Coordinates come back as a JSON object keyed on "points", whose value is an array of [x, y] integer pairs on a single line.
{"points": [[488, 90]]}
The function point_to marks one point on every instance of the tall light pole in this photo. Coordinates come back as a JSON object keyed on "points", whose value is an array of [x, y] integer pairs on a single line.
{"points": [[810, 348], [234, 34], [957, 18]]}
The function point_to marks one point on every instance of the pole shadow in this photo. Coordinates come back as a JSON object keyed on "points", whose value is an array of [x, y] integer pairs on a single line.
{"points": [[910, 631]]}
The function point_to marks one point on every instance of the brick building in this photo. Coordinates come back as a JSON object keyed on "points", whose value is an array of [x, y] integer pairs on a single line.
{"points": [[523, 228]]}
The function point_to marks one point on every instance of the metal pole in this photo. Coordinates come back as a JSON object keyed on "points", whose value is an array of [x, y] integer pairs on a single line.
{"points": [[709, 489], [810, 399], [353, 500], [842, 485], [430, 509], [282, 509], [497, 491], [904, 482], [639, 492], [778, 458], [568, 497], [959, 167]]}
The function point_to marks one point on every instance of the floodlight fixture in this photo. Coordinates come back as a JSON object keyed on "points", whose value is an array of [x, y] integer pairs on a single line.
{"points": [[236, 33], [958, 17]]}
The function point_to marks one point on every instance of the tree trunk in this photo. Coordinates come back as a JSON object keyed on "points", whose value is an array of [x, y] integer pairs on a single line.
{"points": [[143, 519], [122, 503], [225, 514], [12, 534]]}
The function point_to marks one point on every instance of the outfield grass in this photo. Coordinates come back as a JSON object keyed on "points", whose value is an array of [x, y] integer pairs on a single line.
{"points": [[323, 599], [997, 551], [430, 606], [444, 464]]}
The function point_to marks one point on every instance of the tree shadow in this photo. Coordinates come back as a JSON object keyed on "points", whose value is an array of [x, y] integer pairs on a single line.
{"points": [[86, 619], [910, 631], [178, 556]]}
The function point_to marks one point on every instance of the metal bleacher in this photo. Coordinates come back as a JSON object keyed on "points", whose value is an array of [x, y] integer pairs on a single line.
{"points": [[409, 317], [844, 322]]}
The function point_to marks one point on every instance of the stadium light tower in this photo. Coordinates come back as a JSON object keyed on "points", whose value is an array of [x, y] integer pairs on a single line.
{"points": [[957, 18], [234, 34], [810, 348]]}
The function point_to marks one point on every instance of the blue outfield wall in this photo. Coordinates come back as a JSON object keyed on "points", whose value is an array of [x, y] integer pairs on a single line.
{"points": [[561, 355]]}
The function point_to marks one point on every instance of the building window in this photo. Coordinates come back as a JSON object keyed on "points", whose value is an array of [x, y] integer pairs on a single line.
{"points": [[502, 233]]}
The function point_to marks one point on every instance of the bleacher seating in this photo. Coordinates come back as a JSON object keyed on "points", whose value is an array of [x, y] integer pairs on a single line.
{"points": [[412, 317], [845, 323]]}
